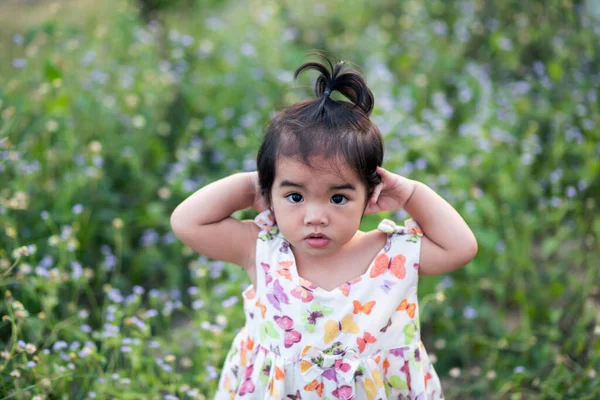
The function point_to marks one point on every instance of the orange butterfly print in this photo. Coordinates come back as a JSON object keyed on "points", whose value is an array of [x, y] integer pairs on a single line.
{"points": [[427, 377], [279, 374], [243, 355], [285, 269], [345, 287], [409, 307], [362, 341], [386, 366], [366, 308], [263, 308], [396, 266], [316, 386]]}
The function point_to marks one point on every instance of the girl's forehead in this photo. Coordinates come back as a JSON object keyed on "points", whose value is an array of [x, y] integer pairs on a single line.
{"points": [[323, 169]]}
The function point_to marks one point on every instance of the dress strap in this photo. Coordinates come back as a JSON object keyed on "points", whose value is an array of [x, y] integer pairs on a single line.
{"points": [[267, 224], [410, 226], [265, 219]]}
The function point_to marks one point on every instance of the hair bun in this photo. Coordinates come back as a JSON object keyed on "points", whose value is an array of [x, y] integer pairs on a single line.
{"points": [[342, 78]]}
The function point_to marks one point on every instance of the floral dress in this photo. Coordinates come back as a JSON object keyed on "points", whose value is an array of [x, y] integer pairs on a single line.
{"points": [[360, 340]]}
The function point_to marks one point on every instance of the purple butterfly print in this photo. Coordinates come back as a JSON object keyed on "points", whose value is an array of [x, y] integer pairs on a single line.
{"points": [[387, 326], [291, 336], [277, 296], [296, 396], [313, 315], [387, 285], [399, 351], [417, 355], [267, 370], [331, 374], [247, 386], [416, 265], [407, 372], [268, 277], [273, 349], [388, 244], [285, 247], [344, 392]]}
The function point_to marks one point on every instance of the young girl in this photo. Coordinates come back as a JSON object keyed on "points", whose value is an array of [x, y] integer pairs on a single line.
{"points": [[332, 311]]}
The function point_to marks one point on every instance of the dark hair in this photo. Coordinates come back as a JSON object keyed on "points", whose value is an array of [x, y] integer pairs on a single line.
{"points": [[337, 130]]}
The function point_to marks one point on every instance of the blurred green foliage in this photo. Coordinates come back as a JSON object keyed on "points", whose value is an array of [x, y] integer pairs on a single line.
{"points": [[110, 118]]}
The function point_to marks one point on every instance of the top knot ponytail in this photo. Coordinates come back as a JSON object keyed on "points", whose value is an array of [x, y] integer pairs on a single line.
{"points": [[340, 131], [342, 78]]}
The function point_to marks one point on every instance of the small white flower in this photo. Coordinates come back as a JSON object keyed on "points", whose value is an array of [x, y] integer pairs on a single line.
{"points": [[52, 126], [138, 121], [221, 320]]}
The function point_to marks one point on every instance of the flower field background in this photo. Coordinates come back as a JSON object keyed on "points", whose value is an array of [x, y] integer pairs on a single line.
{"points": [[113, 112]]}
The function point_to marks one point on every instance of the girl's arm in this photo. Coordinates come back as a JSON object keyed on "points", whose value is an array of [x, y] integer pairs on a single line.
{"points": [[203, 221], [448, 243]]}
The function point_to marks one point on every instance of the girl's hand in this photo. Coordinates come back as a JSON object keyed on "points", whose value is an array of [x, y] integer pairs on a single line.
{"points": [[259, 203], [391, 194]]}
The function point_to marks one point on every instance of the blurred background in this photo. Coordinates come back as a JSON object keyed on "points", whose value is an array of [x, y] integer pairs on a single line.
{"points": [[113, 112]]}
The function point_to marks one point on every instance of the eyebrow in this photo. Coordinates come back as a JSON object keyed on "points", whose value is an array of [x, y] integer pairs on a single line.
{"points": [[287, 183]]}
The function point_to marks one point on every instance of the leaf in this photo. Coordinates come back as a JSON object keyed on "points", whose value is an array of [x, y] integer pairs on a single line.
{"points": [[52, 72], [555, 71]]}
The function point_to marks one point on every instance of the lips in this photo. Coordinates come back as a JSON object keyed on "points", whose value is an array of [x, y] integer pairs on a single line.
{"points": [[317, 240], [316, 236]]}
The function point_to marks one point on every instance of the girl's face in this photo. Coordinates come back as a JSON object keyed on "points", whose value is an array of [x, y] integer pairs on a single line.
{"points": [[317, 200]]}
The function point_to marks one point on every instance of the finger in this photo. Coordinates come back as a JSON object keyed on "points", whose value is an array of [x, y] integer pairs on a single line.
{"points": [[376, 193], [373, 208], [370, 209]]}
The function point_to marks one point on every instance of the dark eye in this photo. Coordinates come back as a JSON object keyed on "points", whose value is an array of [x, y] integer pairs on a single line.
{"points": [[339, 199], [294, 197]]}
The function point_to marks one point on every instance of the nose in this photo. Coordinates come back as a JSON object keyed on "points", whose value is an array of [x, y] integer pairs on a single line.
{"points": [[316, 215]]}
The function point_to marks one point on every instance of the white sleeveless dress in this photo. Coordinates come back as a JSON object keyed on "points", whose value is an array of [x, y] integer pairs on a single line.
{"points": [[360, 340]]}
